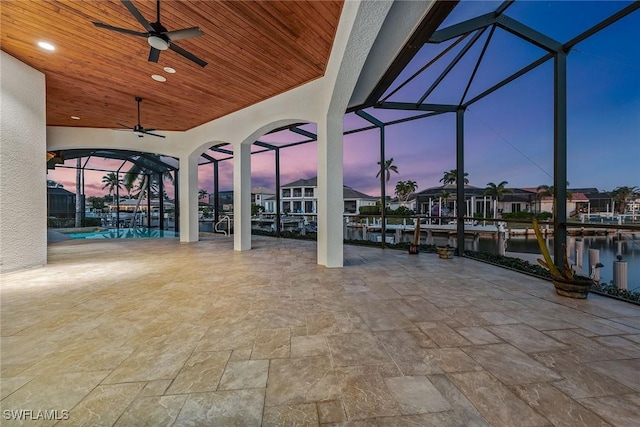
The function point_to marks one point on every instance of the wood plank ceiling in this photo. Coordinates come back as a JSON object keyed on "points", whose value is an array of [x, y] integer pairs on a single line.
{"points": [[254, 50]]}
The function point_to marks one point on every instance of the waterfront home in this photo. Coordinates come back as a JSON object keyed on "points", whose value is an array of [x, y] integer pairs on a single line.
{"points": [[301, 196], [263, 196]]}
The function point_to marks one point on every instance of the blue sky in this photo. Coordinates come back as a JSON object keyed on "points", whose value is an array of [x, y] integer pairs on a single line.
{"points": [[509, 134]]}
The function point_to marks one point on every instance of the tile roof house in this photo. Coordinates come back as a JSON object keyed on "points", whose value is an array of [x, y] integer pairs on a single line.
{"points": [[300, 196]]}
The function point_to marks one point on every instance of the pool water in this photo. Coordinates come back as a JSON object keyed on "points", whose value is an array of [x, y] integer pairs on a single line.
{"points": [[125, 233]]}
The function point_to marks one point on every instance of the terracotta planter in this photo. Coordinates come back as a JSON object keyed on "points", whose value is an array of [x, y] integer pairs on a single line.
{"points": [[445, 252], [576, 288], [413, 249]]}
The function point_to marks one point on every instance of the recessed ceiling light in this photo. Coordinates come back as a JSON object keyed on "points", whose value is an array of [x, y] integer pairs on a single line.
{"points": [[159, 78], [169, 70], [46, 46], [75, 117]]}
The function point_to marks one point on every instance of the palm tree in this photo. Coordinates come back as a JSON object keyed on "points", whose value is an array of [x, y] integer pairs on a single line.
{"points": [[549, 191], [623, 195], [202, 194], [497, 191], [133, 174], [129, 187], [404, 189], [111, 181], [451, 177], [388, 167]]}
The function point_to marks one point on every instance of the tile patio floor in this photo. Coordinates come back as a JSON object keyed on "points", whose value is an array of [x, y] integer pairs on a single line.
{"points": [[154, 332]]}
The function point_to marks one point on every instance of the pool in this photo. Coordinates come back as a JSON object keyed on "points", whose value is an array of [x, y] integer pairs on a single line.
{"points": [[125, 233]]}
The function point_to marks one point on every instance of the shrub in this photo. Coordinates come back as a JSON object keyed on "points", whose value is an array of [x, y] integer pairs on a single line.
{"points": [[91, 222], [287, 234], [71, 222], [527, 215], [256, 209], [544, 215], [401, 211], [369, 210], [517, 215], [611, 289], [510, 262], [60, 222]]}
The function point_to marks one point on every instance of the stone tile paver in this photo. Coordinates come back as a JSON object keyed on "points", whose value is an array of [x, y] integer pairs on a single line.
{"points": [[157, 332]]}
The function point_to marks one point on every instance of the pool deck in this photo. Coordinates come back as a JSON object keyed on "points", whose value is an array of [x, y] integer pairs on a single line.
{"points": [[158, 332]]}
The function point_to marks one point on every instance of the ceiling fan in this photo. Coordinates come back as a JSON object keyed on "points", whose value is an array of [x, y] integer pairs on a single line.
{"points": [[158, 37], [138, 129]]}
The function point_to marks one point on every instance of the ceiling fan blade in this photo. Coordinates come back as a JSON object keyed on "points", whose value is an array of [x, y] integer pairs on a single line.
{"points": [[187, 55], [149, 130], [120, 30], [124, 126], [184, 34], [154, 54], [136, 14], [152, 134]]}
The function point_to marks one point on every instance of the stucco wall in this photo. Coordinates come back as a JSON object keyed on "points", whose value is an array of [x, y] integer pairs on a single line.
{"points": [[23, 190]]}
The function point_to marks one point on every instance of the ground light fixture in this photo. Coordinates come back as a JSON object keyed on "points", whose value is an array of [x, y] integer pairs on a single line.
{"points": [[46, 46]]}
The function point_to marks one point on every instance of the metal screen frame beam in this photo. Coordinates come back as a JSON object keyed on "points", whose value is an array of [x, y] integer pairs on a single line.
{"points": [[303, 132], [560, 157], [383, 190], [602, 25], [443, 108], [278, 225], [509, 79], [463, 28], [452, 64], [460, 208], [527, 33]]}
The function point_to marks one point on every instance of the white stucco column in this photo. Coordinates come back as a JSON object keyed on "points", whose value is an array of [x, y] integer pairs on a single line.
{"points": [[330, 198], [242, 197], [360, 23], [23, 187], [188, 198]]}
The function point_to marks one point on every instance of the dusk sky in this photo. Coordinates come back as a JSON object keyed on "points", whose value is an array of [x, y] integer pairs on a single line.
{"points": [[509, 134]]}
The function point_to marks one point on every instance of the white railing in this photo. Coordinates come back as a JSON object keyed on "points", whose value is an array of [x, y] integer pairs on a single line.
{"points": [[226, 232]]}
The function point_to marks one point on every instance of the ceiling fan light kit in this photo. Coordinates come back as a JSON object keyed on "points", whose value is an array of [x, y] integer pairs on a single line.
{"points": [[158, 42]]}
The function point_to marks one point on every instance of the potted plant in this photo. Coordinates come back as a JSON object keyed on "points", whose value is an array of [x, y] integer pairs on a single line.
{"points": [[414, 247], [566, 282], [445, 252]]}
